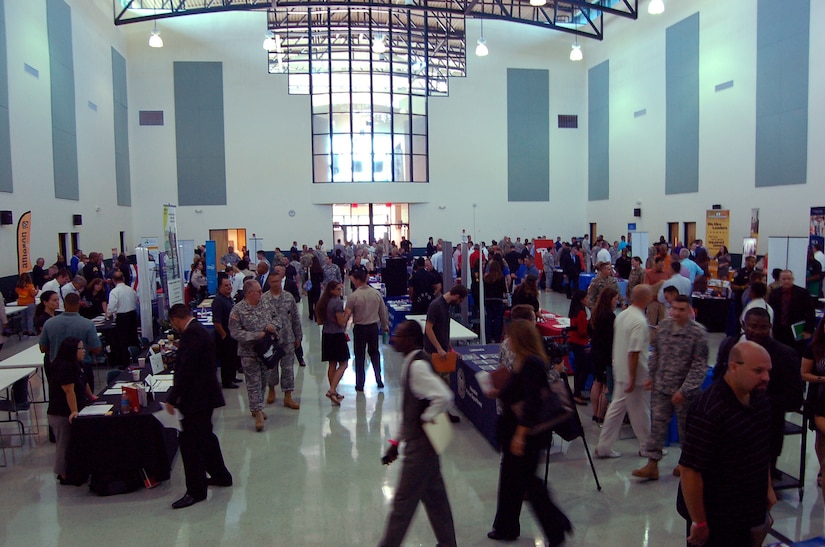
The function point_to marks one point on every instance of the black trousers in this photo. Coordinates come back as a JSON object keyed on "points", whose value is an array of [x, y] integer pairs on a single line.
{"points": [[572, 283], [227, 350], [125, 335], [517, 477], [420, 481], [201, 453], [724, 535], [365, 340]]}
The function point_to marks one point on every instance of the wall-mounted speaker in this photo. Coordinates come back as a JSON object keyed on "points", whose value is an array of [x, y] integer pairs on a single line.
{"points": [[77, 220], [6, 218], [637, 212], [716, 207]]}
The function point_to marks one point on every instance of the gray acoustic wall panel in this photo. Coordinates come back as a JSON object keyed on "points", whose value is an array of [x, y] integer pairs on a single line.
{"points": [[199, 133], [6, 184], [782, 46], [598, 132], [528, 135], [682, 107], [64, 122], [121, 120]]}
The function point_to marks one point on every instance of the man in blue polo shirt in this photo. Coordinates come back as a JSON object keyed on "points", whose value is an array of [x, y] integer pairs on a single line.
{"points": [[71, 323]]}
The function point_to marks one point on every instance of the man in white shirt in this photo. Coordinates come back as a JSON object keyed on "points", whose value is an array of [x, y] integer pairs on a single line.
{"points": [[123, 307], [438, 259], [604, 254], [630, 353], [425, 397], [241, 275], [62, 278]]}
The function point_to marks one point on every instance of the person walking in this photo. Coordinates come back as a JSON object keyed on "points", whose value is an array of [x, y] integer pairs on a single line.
{"points": [[367, 309], [196, 393], [520, 450], [331, 314], [425, 397]]}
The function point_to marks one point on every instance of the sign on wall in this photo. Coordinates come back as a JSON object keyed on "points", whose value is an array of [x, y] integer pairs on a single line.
{"points": [[717, 228], [817, 234], [755, 223]]}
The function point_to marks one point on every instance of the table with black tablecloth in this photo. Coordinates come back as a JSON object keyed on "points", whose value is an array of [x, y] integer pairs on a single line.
{"points": [[115, 450], [477, 407], [712, 312]]}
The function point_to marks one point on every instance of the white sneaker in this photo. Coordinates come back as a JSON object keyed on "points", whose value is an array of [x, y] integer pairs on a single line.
{"points": [[611, 454]]}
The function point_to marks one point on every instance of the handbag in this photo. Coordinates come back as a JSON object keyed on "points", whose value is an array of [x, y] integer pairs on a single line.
{"points": [[269, 351], [308, 285], [556, 407]]}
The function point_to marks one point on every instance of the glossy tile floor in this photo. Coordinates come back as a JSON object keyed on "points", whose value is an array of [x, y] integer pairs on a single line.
{"points": [[314, 477]]}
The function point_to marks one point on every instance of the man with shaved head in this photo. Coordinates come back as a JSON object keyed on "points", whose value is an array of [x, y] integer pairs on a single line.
{"points": [[725, 464]]}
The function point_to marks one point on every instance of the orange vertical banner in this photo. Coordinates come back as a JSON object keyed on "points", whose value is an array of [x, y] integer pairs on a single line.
{"points": [[24, 232]]}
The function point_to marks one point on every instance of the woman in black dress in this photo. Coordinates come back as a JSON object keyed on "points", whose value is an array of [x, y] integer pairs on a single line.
{"points": [[67, 395], [520, 450], [495, 291], [316, 276], [331, 314], [49, 302], [528, 293], [601, 349], [93, 299]]}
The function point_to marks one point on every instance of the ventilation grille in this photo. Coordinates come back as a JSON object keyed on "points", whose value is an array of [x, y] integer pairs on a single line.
{"points": [[151, 117], [568, 121]]}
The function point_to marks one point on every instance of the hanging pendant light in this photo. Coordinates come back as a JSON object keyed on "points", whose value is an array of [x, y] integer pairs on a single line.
{"points": [[537, 3], [378, 45], [576, 51], [269, 41], [481, 47], [656, 7], [155, 40]]}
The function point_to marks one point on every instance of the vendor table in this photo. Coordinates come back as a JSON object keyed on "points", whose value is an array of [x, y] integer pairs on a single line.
{"points": [[8, 377], [117, 450], [477, 407], [458, 332], [397, 310], [712, 312]]}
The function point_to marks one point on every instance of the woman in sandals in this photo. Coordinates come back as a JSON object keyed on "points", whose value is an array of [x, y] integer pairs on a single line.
{"points": [[330, 313]]}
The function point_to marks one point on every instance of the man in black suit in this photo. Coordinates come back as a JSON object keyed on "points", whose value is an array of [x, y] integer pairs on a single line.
{"points": [[792, 305], [572, 266], [196, 393]]}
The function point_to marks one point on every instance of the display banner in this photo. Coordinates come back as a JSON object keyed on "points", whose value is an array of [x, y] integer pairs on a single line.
{"points": [[755, 223], [717, 228], [173, 283], [211, 268], [145, 289], [817, 234], [151, 246], [24, 239]]}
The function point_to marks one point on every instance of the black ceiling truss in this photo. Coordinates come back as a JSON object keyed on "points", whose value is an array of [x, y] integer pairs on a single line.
{"points": [[578, 17]]}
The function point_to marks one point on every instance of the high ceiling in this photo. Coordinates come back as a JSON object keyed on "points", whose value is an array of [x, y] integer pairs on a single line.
{"points": [[580, 17]]}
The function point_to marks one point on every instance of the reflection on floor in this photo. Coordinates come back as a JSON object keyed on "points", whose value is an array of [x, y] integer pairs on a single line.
{"points": [[314, 477]]}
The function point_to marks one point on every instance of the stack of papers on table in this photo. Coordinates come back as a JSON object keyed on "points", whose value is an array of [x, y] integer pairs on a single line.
{"points": [[95, 410], [162, 385]]}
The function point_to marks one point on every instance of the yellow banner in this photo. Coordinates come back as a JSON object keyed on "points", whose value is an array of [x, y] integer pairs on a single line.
{"points": [[717, 229], [24, 233]]}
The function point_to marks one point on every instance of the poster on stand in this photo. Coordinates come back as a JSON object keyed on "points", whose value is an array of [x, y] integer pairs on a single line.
{"points": [[151, 246], [24, 239], [145, 289], [755, 223], [817, 234], [211, 267], [717, 228], [173, 286]]}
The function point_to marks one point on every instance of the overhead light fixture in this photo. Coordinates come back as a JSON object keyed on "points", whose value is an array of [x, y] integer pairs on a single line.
{"points": [[155, 40], [576, 51], [378, 45], [537, 3], [269, 41], [481, 47], [656, 7]]}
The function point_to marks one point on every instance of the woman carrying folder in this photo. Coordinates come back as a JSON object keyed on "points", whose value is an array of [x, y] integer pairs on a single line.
{"points": [[521, 398]]}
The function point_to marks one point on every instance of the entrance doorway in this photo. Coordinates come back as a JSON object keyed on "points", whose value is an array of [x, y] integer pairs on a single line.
{"points": [[690, 233], [358, 222], [234, 237], [673, 233]]}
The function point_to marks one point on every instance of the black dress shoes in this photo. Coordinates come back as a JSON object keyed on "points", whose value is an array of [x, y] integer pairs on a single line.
{"points": [[453, 418], [230, 386], [217, 481], [498, 536], [186, 501]]}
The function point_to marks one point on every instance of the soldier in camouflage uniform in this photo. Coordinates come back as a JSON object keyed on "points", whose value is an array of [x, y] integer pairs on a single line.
{"points": [[604, 279], [283, 307], [248, 321], [678, 364]]}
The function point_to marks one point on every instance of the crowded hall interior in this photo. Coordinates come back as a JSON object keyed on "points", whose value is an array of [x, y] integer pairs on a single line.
{"points": [[277, 271]]}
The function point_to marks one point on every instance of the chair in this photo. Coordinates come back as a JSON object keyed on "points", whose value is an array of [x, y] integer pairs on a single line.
{"points": [[134, 351], [144, 342], [111, 376]]}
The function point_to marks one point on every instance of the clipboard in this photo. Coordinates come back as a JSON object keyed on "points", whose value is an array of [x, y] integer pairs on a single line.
{"points": [[798, 330], [439, 432], [446, 365]]}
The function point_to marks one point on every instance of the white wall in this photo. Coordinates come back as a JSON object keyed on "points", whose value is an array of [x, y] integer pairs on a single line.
{"points": [[727, 127], [30, 125]]}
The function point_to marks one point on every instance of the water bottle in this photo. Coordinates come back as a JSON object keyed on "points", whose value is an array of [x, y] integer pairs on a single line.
{"points": [[124, 403]]}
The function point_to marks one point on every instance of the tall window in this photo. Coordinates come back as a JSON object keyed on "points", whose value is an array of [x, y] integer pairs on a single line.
{"points": [[369, 72]]}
